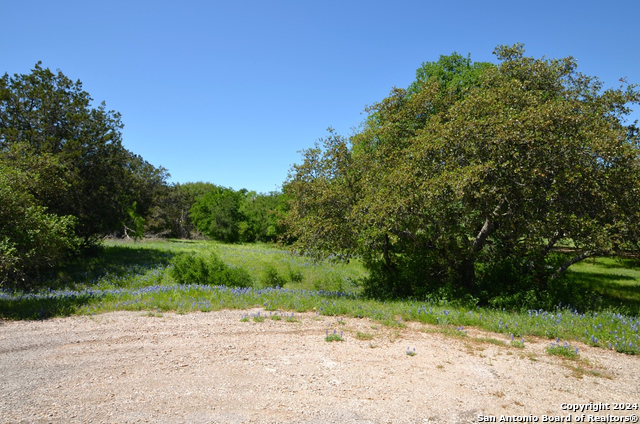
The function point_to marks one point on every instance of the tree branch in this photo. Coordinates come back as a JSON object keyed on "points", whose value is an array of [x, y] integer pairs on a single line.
{"points": [[552, 241], [405, 233], [574, 260]]}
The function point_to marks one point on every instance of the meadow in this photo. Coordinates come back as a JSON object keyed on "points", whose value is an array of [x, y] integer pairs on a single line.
{"points": [[135, 277]]}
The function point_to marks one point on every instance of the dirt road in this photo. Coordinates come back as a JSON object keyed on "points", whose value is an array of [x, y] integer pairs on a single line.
{"points": [[134, 367]]}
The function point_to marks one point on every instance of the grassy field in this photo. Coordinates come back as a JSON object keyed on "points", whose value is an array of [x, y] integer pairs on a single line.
{"points": [[616, 281], [133, 276]]}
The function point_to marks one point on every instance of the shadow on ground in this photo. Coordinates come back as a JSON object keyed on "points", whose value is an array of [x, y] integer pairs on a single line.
{"points": [[33, 309], [621, 292], [66, 289], [115, 260]]}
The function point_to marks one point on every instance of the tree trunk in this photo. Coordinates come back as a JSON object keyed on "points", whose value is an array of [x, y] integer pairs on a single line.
{"points": [[485, 231], [385, 253], [467, 272], [482, 236], [467, 269]]}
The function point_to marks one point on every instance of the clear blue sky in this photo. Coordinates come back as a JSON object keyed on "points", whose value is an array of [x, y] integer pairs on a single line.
{"points": [[229, 92]]}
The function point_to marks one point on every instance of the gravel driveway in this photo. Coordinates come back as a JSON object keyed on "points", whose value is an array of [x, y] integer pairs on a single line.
{"points": [[139, 367]]}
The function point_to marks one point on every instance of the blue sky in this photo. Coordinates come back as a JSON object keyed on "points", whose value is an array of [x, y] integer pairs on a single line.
{"points": [[229, 92]]}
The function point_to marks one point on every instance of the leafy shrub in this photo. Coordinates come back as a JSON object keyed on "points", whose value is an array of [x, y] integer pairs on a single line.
{"points": [[245, 233], [236, 277], [32, 239], [190, 268], [295, 276], [272, 278], [333, 337]]}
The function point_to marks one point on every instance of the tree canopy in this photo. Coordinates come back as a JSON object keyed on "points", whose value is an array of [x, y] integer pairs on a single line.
{"points": [[470, 178], [49, 114], [66, 176]]}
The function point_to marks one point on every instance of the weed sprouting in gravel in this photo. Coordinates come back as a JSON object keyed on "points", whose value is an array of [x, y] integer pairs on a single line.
{"points": [[291, 318], [275, 317], [364, 336], [517, 343], [565, 350], [333, 337]]}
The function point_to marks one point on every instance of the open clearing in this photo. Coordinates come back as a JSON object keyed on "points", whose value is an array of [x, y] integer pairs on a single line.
{"points": [[138, 367]]}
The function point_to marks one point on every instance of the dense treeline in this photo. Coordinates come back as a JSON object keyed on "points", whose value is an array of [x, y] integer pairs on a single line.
{"points": [[466, 183], [204, 209], [66, 182]]}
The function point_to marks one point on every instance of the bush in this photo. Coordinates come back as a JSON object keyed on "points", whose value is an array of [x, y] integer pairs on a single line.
{"points": [[272, 278], [190, 268], [32, 240], [295, 276], [236, 277]]}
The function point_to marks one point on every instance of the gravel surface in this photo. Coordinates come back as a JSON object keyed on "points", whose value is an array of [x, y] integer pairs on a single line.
{"points": [[139, 367]]}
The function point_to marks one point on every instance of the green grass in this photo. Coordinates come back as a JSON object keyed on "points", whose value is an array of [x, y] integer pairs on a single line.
{"points": [[133, 276], [615, 282], [115, 264], [259, 259]]}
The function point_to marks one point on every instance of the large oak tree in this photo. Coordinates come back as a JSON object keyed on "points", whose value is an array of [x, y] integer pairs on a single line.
{"points": [[473, 175]]}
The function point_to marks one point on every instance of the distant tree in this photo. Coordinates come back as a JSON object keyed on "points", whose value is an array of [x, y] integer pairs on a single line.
{"points": [[217, 214], [144, 183], [239, 216], [170, 213], [322, 193], [197, 189], [262, 213], [134, 224]]}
